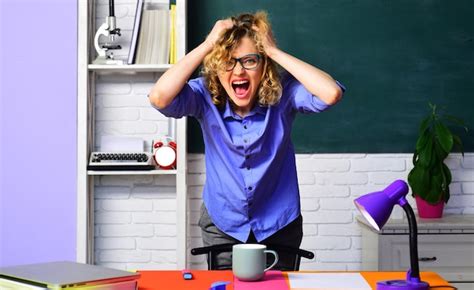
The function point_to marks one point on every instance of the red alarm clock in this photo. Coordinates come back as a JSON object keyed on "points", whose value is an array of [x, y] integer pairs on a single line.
{"points": [[164, 152]]}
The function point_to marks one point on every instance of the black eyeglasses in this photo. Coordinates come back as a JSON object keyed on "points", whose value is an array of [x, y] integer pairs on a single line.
{"points": [[249, 62]]}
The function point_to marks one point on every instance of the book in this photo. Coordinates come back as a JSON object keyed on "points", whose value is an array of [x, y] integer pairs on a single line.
{"points": [[143, 38], [150, 36], [160, 50], [173, 56], [154, 35], [66, 274], [135, 32]]}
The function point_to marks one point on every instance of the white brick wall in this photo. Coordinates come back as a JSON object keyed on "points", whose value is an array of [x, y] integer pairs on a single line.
{"points": [[328, 185], [122, 108], [135, 222]]}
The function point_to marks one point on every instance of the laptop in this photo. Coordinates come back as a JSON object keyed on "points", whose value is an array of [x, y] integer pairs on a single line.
{"points": [[63, 275]]}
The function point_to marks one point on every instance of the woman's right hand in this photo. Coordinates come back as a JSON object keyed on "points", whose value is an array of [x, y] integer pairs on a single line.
{"points": [[268, 41], [219, 27], [173, 80]]}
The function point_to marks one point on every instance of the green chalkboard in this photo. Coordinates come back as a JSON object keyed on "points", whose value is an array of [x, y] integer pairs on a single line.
{"points": [[393, 56]]}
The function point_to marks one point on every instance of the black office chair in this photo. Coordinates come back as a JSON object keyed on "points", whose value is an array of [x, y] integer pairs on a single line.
{"points": [[212, 251]]}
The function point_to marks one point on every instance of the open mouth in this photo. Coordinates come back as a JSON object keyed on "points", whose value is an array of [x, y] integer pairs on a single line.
{"points": [[241, 88]]}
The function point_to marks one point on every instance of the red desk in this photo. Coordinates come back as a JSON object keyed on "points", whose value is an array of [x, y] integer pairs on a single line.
{"points": [[173, 280]]}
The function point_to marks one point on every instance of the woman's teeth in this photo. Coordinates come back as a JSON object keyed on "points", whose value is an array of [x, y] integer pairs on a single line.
{"points": [[239, 82]]}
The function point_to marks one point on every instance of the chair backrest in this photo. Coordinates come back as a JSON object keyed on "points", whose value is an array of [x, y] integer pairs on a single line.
{"points": [[212, 251]]}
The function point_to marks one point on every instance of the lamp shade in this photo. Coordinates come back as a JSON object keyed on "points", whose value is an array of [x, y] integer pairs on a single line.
{"points": [[376, 207]]}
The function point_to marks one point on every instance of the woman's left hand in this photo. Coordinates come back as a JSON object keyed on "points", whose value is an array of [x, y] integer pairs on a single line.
{"points": [[268, 41]]}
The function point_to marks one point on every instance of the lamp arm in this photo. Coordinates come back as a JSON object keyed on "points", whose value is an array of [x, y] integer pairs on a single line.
{"points": [[413, 231]]}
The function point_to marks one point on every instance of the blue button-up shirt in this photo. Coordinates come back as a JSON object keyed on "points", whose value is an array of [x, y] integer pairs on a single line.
{"points": [[251, 180]]}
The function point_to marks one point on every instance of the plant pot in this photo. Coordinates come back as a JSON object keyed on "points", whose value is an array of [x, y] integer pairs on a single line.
{"points": [[427, 210]]}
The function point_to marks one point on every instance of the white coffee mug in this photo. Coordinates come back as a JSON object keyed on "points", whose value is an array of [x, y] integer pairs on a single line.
{"points": [[249, 261]]}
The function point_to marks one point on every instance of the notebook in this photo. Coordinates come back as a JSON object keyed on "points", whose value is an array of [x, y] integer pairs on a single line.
{"points": [[63, 275]]}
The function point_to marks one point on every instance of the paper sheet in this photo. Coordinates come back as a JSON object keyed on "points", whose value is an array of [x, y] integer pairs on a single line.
{"points": [[121, 144], [342, 281]]}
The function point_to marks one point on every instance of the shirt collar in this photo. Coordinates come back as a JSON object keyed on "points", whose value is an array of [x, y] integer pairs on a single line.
{"points": [[229, 113]]}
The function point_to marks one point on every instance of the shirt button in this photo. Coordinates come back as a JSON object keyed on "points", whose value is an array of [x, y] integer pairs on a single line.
{"points": [[245, 140], [250, 188], [245, 126]]}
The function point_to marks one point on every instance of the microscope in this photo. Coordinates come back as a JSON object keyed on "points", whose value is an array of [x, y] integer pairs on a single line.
{"points": [[110, 30]]}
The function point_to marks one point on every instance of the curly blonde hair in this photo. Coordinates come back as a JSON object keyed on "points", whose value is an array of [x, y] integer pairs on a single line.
{"points": [[269, 90]]}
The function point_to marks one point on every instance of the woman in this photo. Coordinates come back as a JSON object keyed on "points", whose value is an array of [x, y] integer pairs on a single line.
{"points": [[246, 110]]}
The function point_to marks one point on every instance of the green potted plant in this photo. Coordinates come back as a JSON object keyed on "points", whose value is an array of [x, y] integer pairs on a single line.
{"points": [[430, 177]]}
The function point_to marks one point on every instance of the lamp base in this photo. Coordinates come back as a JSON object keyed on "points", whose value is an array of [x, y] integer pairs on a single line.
{"points": [[402, 284]]}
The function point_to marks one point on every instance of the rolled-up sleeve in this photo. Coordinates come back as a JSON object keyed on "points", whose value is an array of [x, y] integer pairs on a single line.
{"points": [[188, 102], [302, 100]]}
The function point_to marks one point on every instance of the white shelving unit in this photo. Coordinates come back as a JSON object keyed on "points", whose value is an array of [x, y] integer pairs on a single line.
{"points": [[87, 77]]}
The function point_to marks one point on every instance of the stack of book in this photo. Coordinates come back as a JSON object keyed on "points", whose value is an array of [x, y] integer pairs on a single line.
{"points": [[154, 34], [66, 275]]}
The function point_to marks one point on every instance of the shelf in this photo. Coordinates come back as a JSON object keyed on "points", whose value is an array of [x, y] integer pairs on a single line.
{"points": [[132, 172], [126, 68], [92, 76]]}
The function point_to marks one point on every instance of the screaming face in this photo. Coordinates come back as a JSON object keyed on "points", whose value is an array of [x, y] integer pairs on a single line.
{"points": [[242, 75]]}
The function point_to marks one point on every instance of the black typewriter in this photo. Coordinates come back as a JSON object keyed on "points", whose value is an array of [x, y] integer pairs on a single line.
{"points": [[121, 161]]}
